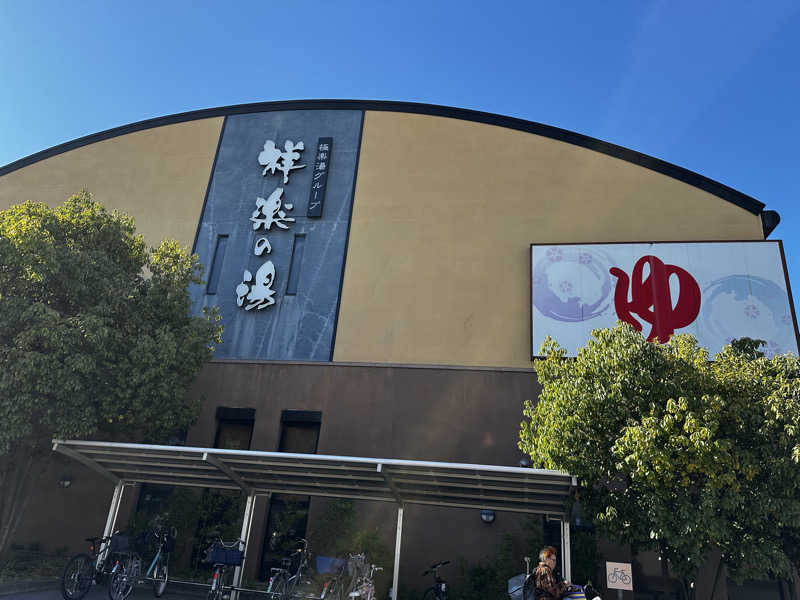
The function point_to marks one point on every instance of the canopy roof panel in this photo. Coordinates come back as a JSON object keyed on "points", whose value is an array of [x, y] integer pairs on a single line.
{"points": [[388, 480]]}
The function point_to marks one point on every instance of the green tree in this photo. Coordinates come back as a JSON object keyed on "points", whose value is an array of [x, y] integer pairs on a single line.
{"points": [[96, 336], [674, 452]]}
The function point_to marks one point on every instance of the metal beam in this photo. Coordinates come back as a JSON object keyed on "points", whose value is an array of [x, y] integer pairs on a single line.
{"points": [[345, 483], [247, 522], [59, 447], [113, 511], [391, 485], [566, 548], [397, 541], [556, 488], [227, 471], [528, 509], [122, 460], [130, 472], [199, 484]]}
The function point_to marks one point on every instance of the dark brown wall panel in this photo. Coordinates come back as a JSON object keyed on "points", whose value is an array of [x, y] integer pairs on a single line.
{"points": [[418, 413]]}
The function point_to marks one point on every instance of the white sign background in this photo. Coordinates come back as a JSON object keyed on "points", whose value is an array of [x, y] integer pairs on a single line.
{"points": [[743, 291]]}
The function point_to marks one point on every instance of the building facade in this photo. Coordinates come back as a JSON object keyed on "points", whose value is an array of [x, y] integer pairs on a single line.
{"points": [[371, 262]]}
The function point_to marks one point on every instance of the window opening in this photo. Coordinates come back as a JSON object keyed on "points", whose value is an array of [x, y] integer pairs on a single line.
{"points": [[297, 261], [234, 428], [287, 519], [216, 264]]}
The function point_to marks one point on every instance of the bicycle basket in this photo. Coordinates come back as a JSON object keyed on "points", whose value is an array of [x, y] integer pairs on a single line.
{"points": [[328, 564], [225, 556]]}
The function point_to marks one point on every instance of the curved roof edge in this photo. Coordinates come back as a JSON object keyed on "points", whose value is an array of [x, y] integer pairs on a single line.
{"points": [[685, 175]]}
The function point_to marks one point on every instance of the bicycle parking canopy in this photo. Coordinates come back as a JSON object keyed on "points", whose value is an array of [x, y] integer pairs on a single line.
{"points": [[257, 473]]}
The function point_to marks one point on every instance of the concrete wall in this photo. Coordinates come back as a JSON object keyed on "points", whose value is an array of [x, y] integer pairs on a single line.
{"points": [[455, 415]]}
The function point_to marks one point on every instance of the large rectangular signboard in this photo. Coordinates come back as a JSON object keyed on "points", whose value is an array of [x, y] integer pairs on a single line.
{"points": [[716, 291]]}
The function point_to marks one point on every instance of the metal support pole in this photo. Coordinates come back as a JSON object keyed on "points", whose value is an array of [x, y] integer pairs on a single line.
{"points": [[566, 549], [398, 538], [113, 510], [247, 522]]}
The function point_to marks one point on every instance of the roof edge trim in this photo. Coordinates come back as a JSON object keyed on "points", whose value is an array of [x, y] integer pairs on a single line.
{"points": [[578, 139]]}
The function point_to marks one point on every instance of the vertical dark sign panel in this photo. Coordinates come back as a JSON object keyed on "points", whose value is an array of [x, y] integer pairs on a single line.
{"points": [[306, 255], [319, 179]]}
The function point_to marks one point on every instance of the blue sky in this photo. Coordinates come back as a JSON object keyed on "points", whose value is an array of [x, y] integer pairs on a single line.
{"points": [[710, 86]]}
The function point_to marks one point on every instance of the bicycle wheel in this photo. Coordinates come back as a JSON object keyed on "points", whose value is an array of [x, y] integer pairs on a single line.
{"points": [[77, 578], [280, 586], [368, 591], [215, 593], [348, 587], [160, 576], [124, 579], [336, 588], [430, 594]]}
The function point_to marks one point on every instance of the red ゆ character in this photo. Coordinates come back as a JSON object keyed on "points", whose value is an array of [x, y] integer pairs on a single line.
{"points": [[651, 299]]}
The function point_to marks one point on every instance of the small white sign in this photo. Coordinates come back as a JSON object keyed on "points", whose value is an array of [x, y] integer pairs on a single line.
{"points": [[619, 576]]}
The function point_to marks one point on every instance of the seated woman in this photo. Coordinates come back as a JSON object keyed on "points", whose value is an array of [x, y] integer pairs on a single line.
{"points": [[548, 586]]}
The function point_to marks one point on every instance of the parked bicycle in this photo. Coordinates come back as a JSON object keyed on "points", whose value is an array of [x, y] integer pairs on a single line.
{"points": [[355, 569], [86, 568], [127, 570], [223, 555], [285, 580], [364, 587], [333, 586], [438, 591]]}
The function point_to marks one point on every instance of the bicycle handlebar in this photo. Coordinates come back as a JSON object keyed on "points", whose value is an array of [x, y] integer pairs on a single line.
{"points": [[219, 541]]}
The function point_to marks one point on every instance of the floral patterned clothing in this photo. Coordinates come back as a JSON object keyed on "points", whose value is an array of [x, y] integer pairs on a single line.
{"points": [[547, 587]]}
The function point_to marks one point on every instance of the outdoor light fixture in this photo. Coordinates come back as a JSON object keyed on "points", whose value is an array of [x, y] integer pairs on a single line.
{"points": [[525, 462], [487, 516]]}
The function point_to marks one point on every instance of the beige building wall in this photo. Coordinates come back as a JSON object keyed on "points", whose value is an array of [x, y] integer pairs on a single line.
{"points": [[438, 264], [158, 176], [438, 267]]}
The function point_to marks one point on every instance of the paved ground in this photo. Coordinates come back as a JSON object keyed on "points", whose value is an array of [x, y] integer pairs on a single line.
{"points": [[101, 593], [142, 592]]}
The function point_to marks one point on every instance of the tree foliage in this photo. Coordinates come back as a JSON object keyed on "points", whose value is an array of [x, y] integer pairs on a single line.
{"points": [[674, 452], [96, 336]]}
